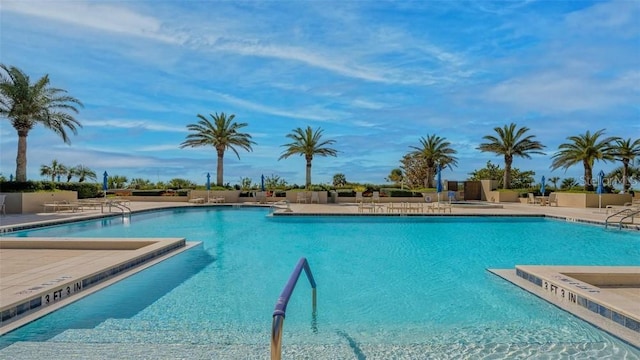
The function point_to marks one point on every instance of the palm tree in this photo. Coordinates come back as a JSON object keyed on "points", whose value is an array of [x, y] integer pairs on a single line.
{"points": [[569, 183], [509, 143], [223, 134], [435, 151], [584, 149], [308, 143], [53, 170], [83, 173], [27, 105], [554, 180], [626, 151], [116, 181]]}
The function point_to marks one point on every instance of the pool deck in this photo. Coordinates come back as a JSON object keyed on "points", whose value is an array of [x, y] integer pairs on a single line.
{"points": [[23, 269]]}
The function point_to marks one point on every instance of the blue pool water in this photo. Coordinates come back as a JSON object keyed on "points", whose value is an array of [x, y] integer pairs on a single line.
{"points": [[385, 285]]}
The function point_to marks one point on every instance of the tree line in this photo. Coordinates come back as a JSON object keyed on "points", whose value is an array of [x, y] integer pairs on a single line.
{"points": [[27, 104]]}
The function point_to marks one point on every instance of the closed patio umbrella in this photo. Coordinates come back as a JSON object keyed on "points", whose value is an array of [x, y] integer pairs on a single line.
{"points": [[600, 188], [542, 189], [105, 185], [208, 185], [262, 182]]}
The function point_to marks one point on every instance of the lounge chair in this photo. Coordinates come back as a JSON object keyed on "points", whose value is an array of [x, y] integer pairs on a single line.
{"points": [[216, 200], [375, 197], [553, 199], [197, 200], [301, 197], [532, 199], [2, 205], [315, 197], [359, 197]]}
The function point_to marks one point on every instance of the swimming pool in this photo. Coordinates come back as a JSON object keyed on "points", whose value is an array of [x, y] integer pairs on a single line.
{"points": [[387, 287]]}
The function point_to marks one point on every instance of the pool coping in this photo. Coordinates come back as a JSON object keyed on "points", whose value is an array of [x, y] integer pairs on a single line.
{"points": [[588, 302], [30, 303]]}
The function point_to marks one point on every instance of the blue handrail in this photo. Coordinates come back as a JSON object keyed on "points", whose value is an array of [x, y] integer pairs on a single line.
{"points": [[281, 306]]}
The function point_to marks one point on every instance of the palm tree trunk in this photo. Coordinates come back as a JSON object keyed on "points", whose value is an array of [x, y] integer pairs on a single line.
{"points": [[625, 179], [308, 181], [506, 179], [21, 158], [588, 176], [220, 168]]}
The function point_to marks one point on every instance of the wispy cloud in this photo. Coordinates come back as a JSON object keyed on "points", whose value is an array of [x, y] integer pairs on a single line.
{"points": [[134, 124], [98, 16]]}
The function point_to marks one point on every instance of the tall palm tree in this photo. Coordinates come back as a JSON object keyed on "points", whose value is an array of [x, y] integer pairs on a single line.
{"points": [[511, 142], [435, 151], [626, 151], [222, 134], [53, 170], [554, 180], [584, 149], [308, 143], [83, 173], [26, 105]]}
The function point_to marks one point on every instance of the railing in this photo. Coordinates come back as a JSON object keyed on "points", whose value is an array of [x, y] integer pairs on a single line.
{"points": [[123, 208], [626, 213], [281, 306]]}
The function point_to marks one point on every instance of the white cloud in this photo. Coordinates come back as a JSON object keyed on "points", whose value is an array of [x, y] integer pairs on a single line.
{"points": [[99, 16], [133, 124]]}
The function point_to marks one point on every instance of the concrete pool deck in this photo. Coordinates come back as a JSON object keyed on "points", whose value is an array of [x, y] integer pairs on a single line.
{"points": [[30, 265]]}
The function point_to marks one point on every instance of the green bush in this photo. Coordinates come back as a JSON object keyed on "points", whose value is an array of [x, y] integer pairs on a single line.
{"points": [[84, 190], [399, 193]]}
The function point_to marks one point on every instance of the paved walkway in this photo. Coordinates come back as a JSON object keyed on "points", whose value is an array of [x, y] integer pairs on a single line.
{"points": [[12, 221]]}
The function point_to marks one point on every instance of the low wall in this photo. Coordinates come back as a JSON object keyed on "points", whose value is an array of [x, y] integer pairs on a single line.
{"points": [[503, 196], [31, 203], [579, 200]]}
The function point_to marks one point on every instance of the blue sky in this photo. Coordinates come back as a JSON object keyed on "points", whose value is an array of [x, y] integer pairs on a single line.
{"points": [[375, 75]]}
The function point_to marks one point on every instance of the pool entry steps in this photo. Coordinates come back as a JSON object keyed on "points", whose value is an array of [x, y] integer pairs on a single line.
{"points": [[605, 296], [40, 275], [281, 307]]}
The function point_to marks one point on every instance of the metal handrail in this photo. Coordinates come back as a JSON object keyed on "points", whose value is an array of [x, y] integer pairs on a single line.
{"points": [[625, 213], [630, 215], [281, 306]]}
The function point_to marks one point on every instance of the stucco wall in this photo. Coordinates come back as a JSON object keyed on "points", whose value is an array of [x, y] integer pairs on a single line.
{"points": [[31, 203]]}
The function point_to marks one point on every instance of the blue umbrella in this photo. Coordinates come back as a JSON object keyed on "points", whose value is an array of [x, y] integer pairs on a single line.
{"points": [[208, 181], [542, 189], [439, 182], [600, 188], [105, 185], [262, 183]]}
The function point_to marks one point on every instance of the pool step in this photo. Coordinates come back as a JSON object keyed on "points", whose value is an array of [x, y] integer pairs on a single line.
{"points": [[74, 350]]}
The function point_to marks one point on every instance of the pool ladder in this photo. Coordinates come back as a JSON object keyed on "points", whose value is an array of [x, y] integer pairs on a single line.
{"points": [[123, 208], [626, 214], [281, 306]]}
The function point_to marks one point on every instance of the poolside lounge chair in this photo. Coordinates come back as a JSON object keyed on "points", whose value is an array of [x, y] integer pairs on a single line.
{"points": [[301, 197], [315, 197], [2, 205], [532, 199], [553, 199], [216, 200], [375, 197], [197, 200], [358, 196]]}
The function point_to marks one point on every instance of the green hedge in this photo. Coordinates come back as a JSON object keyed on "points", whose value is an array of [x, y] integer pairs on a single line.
{"points": [[84, 190]]}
